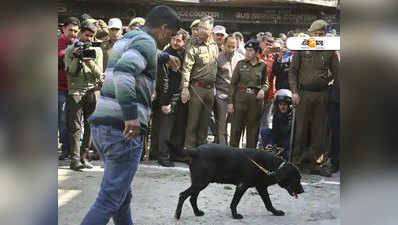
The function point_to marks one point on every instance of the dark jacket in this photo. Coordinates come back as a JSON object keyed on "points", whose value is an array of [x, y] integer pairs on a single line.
{"points": [[281, 125], [281, 72], [168, 84]]}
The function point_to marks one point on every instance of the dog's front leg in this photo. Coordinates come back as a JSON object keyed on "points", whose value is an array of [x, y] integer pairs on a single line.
{"points": [[263, 192], [240, 190]]}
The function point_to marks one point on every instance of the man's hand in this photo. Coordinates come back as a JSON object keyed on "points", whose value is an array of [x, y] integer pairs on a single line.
{"points": [[166, 109], [185, 95], [132, 129], [76, 51], [88, 61], [282, 52], [154, 95], [260, 94], [174, 63], [230, 108], [295, 99], [268, 147]]}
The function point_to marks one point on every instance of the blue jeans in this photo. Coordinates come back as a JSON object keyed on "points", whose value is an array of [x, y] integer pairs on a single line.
{"points": [[267, 138], [121, 158], [62, 119]]}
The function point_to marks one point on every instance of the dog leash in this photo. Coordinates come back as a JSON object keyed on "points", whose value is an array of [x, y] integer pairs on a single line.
{"points": [[267, 172], [260, 167]]}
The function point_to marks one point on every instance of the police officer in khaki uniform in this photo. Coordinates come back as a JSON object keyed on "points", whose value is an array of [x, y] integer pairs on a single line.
{"points": [[248, 85], [309, 75], [199, 76], [115, 33]]}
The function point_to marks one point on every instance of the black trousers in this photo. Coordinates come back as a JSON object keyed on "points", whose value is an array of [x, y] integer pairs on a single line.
{"points": [[334, 125], [162, 127]]}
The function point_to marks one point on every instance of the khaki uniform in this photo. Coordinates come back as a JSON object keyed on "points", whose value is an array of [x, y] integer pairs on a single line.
{"points": [[246, 81], [309, 76], [225, 68], [106, 47], [199, 74]]}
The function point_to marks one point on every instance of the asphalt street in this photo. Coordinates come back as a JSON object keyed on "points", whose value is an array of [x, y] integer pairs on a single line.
{"points": [[155, 197]]}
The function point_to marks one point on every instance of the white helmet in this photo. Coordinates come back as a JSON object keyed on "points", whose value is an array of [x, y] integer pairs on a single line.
{"points": [[284, 95]]}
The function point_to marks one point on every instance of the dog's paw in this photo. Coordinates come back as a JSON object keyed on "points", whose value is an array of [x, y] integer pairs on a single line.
{"points": [[278, 213], [237, 216], [199, 213], [177, 215]]}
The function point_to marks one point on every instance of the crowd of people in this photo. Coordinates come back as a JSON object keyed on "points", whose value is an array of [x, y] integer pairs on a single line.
{"points": [[208, 81], [153, 79]]}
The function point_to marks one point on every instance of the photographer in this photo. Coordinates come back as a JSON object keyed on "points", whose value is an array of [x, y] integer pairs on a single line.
{"points": [[281, 68], [84, 72]]}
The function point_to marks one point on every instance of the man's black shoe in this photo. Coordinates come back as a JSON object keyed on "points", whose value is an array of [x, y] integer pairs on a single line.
{"points": [[322, 171], [334, 168], [166, 162], [75, 164], [63, 156], [87, 164]]}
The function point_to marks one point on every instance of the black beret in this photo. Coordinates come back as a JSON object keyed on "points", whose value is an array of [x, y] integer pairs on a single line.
{"points": [[253, 43]]}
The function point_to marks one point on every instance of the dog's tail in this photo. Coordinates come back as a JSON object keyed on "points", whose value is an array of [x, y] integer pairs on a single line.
{"points": [[185, 154]]}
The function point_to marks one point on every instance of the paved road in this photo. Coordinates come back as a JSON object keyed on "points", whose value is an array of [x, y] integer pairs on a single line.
{"points": [[155, 196]]}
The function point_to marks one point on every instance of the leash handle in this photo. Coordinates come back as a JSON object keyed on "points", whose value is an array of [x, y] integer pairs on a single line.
{"points": [[292, 134]]}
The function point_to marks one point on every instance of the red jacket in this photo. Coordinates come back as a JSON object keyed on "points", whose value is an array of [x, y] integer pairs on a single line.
{"points": [[63, 43], [271, 78], [269, 60]]}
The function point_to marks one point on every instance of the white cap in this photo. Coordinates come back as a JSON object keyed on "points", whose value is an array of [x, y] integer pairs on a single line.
{"points": [[220, 30], [284, 92], [115, 23]]}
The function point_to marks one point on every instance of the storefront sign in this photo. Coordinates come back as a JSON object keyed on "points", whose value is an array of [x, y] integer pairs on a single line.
{"points": [[249, 15]]}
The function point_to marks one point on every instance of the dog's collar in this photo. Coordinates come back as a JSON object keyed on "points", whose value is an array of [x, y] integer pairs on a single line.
{"points": [[281, 165]]}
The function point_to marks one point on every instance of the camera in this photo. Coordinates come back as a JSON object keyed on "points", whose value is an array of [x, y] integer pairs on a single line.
{"points": [[87, 50]]}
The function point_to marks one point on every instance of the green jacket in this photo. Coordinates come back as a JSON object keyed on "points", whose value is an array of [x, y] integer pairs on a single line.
{"points": [[81, 76]]}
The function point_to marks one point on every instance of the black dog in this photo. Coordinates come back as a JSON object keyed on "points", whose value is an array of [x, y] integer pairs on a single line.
{"points": [[245, 168]]}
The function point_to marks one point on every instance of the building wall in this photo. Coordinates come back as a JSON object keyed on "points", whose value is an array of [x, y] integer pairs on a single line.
{"points": [[248, 20]]}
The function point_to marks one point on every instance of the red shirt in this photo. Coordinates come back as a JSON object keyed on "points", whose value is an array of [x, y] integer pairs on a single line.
{"points": [[63, 43]]}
